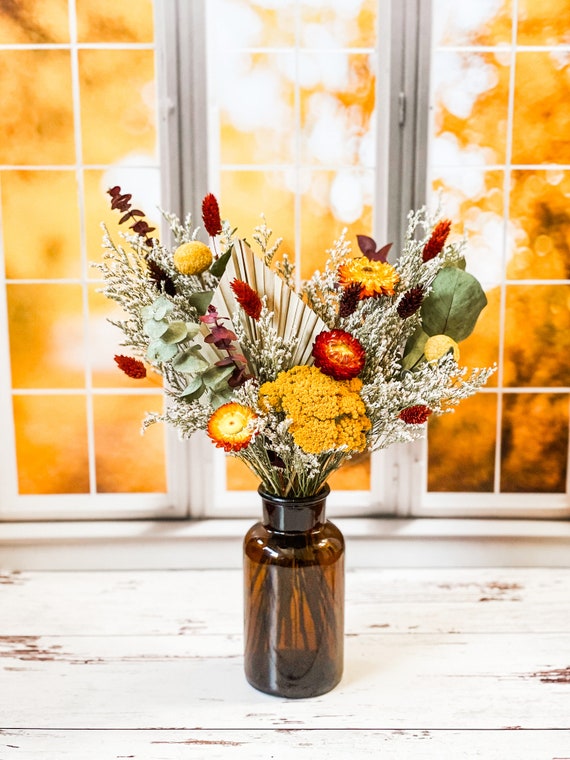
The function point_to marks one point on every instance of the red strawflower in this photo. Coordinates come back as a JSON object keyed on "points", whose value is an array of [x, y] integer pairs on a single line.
{"points": [[338, 354], [415, 415], [247, 298], [211, 215], [437, 240], [131, 367]]}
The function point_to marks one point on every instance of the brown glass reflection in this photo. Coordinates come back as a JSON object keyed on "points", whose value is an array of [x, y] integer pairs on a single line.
{"points": [[51, 444], [462, 446], [537, 336], [534, 443]]}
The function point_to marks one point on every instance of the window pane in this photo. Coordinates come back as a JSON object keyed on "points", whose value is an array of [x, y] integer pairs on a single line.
{"points": [[51, 444], [535, 443], [541, 113], [117, 105], [36, 119], [470, 94], [109, 21], [47, 345], [537, 336], [125, 460], [469, 463], [40, 224], [34, 21], [476, 22], [540, 236], [544, 23], [328, 25]]}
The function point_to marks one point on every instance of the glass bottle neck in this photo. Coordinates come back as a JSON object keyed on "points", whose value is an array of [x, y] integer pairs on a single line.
{"points": [[291, 515]]}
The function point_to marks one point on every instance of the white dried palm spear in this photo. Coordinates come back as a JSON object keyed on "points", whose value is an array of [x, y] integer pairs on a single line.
{"points": [[291, 315]]}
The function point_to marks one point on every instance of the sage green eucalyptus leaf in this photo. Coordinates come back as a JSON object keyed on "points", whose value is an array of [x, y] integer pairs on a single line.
{"points": [[220, 397], [414, 350], [190, 361], [454, 304], [219, 265], [194, 389], [159, 309], [192, 329], [155, 328], [215, 377], [201, 301], [158, 351], [176, 332]]}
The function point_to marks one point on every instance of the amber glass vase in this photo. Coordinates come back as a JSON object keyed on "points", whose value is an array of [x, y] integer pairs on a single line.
{"points": [[294, 598]]}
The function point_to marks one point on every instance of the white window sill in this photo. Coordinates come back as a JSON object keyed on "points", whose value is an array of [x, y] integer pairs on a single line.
{"points": [[380, 542]]}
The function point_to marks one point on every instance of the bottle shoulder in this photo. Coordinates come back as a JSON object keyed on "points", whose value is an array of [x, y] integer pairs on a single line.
{"points": [[324, 545]]}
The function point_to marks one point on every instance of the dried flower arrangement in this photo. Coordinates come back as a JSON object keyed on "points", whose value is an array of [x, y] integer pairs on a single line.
{"points": [[294, 384]]}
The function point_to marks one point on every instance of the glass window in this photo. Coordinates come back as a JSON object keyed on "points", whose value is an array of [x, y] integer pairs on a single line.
{"points": [[498, 154], [77, 82]]}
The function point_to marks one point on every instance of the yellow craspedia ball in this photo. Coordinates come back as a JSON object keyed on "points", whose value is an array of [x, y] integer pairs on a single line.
{"points": [[192, 258], [438, 346]]}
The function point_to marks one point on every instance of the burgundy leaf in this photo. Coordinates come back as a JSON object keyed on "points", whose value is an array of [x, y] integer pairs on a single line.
{"points": [[367, 245], [126, 216], [381, 254]]}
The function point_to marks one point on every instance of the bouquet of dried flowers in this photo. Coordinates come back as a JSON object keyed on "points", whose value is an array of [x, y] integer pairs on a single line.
{"points": [[294, 382]]}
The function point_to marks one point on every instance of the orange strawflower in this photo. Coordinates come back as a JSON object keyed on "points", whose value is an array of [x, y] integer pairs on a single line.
{"points": [[338, 354], [437, 240], [230, 426], [247, 298], [376, 278]]}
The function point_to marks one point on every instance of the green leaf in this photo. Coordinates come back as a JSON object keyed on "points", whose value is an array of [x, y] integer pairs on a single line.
{"points": [[414, 350], [219, 265], [215, 377], [155, 328], [159, 309], [453, 306], [158, 351], [192, 329], [220, 397], [194, 389], [190, 361], [201, 301], [176, 332]]}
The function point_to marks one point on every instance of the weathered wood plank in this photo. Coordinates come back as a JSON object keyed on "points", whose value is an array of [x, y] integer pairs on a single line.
{"points": [[392, 681], [206, 602], [283, 744]]}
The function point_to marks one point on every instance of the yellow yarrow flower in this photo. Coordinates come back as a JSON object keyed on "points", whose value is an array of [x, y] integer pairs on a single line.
{"points": [[192, 258], [438, 346], [326, 413]]}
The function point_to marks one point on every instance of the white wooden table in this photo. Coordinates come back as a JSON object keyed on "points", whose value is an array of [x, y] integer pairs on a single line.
{"points": [[471, 663]]}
